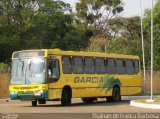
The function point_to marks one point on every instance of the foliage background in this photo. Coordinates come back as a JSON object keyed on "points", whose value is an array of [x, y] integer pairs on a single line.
{"points": [[96, 25]]}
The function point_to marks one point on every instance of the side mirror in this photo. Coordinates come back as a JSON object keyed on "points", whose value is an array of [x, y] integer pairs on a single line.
{"points": [[8, 61]]}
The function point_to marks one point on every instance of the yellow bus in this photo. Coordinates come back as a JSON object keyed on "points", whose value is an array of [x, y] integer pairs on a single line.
{"points": [[55, 75]]}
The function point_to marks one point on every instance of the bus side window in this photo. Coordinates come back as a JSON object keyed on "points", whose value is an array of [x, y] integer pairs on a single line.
{"points": [[100, 66], [129, 66], [111, 66], [77, 63], [53, 70], [120, 66], [66, 65], [136, 66], [89, 65]]}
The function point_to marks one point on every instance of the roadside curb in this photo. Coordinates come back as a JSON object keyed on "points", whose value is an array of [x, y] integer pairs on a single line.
{"points": [[138, 97], [144, 105]]}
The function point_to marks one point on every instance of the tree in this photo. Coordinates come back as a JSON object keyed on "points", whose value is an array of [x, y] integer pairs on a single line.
{"points": [[96, 13], [32, 24], [156, 35], [124, 38], [128, 28], [18, 16], [98, 43]]}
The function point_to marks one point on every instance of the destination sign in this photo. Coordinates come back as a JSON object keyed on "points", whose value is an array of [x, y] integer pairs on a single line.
{"points": [[29, 54]]}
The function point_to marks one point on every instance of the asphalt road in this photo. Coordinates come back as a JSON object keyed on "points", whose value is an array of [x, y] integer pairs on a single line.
{"points": [[77, 110]]}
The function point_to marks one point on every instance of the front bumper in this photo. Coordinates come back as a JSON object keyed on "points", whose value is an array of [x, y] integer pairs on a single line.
{"points": [[29, 96]]}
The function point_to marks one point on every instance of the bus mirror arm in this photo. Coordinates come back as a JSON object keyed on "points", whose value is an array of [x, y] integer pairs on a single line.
{"points": [[8, 61]]}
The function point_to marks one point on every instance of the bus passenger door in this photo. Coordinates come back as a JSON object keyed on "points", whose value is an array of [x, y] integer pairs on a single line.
{"points": [[53, 77]]}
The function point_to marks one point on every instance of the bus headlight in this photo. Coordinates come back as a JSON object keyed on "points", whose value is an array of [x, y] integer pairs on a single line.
{"points": [[38, 93], [12, 92]]}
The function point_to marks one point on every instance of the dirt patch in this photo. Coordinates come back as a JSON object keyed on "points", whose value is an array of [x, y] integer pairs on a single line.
{"points": [[4, 85]]}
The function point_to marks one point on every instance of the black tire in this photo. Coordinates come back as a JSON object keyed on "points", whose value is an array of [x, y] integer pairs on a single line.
{"points": [[116, 96], [34, 103], [42, 101], [66, 97], [109, 99], [88, 100]]}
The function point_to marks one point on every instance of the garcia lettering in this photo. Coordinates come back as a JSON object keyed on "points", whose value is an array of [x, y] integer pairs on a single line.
{"points": [[88, 79]]}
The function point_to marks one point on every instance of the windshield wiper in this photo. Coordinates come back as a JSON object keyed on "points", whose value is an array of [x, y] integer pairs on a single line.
{"points": [[30, 64], [21, 62]]}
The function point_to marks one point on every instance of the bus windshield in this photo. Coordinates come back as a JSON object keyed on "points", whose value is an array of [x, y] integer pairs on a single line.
{"points": [[28, 71]]}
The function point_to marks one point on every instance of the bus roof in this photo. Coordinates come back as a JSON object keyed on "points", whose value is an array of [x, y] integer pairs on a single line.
{"points": [[46, 52], [94, 54]]}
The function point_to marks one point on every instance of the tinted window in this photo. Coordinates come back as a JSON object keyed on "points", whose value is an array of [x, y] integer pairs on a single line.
{"points": [[129, 67], [77, 65], [120, 66], [111, 67], [89, 65], [66, 64], [100, 66], [136, 66]]}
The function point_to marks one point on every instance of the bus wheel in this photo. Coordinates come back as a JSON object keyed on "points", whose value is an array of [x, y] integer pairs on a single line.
{"points": [[34, 103], [116, 97], [42, 101], [88, 100], [66, 97], [109, 99]]}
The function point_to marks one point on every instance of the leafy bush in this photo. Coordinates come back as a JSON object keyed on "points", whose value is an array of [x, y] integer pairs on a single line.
{"points": [[4, 67]]}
